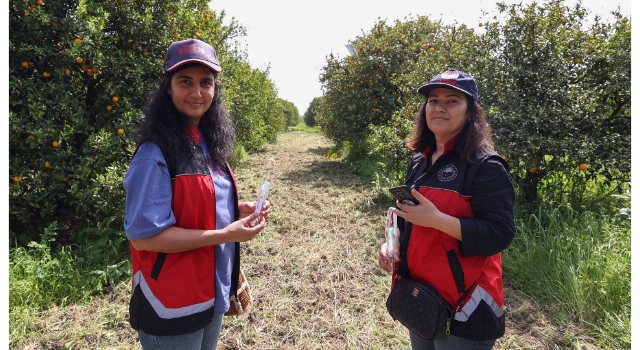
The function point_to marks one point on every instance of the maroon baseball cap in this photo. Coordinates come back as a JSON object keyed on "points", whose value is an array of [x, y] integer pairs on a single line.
{"points": [[191, 50]]}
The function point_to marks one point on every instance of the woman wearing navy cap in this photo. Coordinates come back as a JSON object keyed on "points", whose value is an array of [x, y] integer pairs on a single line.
{"points": [[183, 217], [452, 240]]}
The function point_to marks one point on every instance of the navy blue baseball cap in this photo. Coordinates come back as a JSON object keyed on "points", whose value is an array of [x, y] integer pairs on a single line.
{"points": [[191, 50], [452, 79]]}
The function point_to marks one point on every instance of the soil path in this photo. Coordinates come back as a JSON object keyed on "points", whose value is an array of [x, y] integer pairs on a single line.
{"points": [[313, 271]]}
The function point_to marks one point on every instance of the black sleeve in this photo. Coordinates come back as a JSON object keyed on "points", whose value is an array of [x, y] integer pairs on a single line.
{"points": [[492, 201]]}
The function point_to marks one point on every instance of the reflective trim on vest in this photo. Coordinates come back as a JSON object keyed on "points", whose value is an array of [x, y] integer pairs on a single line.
{"points": [[163, 311], [478, 295]]}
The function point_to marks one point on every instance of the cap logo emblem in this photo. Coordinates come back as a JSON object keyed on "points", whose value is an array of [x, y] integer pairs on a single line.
{"points": [[193, 48], [450, 75]]}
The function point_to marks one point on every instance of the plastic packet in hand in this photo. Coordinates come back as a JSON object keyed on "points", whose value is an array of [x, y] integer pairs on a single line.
{"points": [[264, 188], [392, 235]]}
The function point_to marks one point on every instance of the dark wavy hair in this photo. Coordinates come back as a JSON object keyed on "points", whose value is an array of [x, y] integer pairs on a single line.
{"points": [[166, 127], [474, 137]]}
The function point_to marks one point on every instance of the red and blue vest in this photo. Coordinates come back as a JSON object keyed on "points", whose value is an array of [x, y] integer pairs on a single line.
{"points": [[174, 293]]}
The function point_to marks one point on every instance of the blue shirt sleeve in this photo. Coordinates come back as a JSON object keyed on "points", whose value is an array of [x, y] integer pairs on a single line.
{"points": [[148, 187]]}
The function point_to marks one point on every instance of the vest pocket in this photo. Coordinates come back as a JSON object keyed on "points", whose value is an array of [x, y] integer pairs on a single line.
{"points": [[157, 266]]}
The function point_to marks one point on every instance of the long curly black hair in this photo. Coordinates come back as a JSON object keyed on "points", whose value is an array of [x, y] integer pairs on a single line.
{"points": [[167, 128]]}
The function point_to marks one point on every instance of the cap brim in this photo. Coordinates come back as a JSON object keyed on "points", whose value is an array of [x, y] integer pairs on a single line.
{"points": [[213, 66], [425, 89]]}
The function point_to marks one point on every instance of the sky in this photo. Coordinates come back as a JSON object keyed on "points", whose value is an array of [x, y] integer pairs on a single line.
{"points": [[293, 37]]}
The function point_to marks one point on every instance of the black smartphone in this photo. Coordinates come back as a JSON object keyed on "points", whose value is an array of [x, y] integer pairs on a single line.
{"points": [[403, 195]]}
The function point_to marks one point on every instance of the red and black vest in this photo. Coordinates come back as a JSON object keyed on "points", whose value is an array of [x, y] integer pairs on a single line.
{"points": [[434, 257], [174, 293]]}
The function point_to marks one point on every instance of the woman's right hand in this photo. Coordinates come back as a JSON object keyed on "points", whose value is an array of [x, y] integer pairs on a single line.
{"points": [[241, 230], [383, 260]]}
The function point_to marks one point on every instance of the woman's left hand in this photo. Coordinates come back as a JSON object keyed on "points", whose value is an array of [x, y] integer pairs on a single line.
{"points": [[247, 208]]}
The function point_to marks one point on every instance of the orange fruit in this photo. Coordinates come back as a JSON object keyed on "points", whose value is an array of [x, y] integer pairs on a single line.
{"points": [[173, 25], [46, 74], [16, 179], [145, 54], [480, 24], [67, 71], [47, 164], [425, 46], [206, 15], [40, 2], [77, 40], [25, 64], [89, 73], [94, 70], [108, 128], [120, 132], [410, 108], [54, 144], [129, 41], [196, 34], [432, 50], [84, 68], [135, 42], [583, 167], [109, 108], [114, 99], [176, 36], [79, 60], [128, 52], [533, 169]]}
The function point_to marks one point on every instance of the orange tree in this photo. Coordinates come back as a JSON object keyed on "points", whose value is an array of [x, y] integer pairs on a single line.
{"points": [[292, 116], [253, 104], [360, 89], [370, 98], [558, 93], [80, 73], [315, 106]]}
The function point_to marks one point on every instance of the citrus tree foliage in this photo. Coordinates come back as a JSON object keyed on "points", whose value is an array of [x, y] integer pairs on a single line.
{"points": [[315, 106], [292, 116], [253, 104], [80, 74], [559, 95], [556, 91], [360, 90]]}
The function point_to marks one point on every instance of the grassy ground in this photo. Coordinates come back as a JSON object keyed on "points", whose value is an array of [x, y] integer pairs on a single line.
{"points": [[313, 272]]}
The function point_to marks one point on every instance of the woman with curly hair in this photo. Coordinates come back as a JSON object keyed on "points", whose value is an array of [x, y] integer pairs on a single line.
{"points": [[183, 217]]}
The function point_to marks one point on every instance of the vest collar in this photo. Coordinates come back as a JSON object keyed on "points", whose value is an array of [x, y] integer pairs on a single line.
{"points": [[194, 134], [447, 146]]}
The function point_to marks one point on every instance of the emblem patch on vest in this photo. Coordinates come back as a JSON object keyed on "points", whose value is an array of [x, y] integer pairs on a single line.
{"points": [[448, 173]]}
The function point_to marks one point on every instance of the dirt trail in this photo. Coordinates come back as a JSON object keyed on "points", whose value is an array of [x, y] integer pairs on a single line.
{"points": [[313, 271]]}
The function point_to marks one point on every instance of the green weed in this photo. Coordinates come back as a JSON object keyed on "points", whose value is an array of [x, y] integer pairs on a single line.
{"points": [[579, 264]]}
